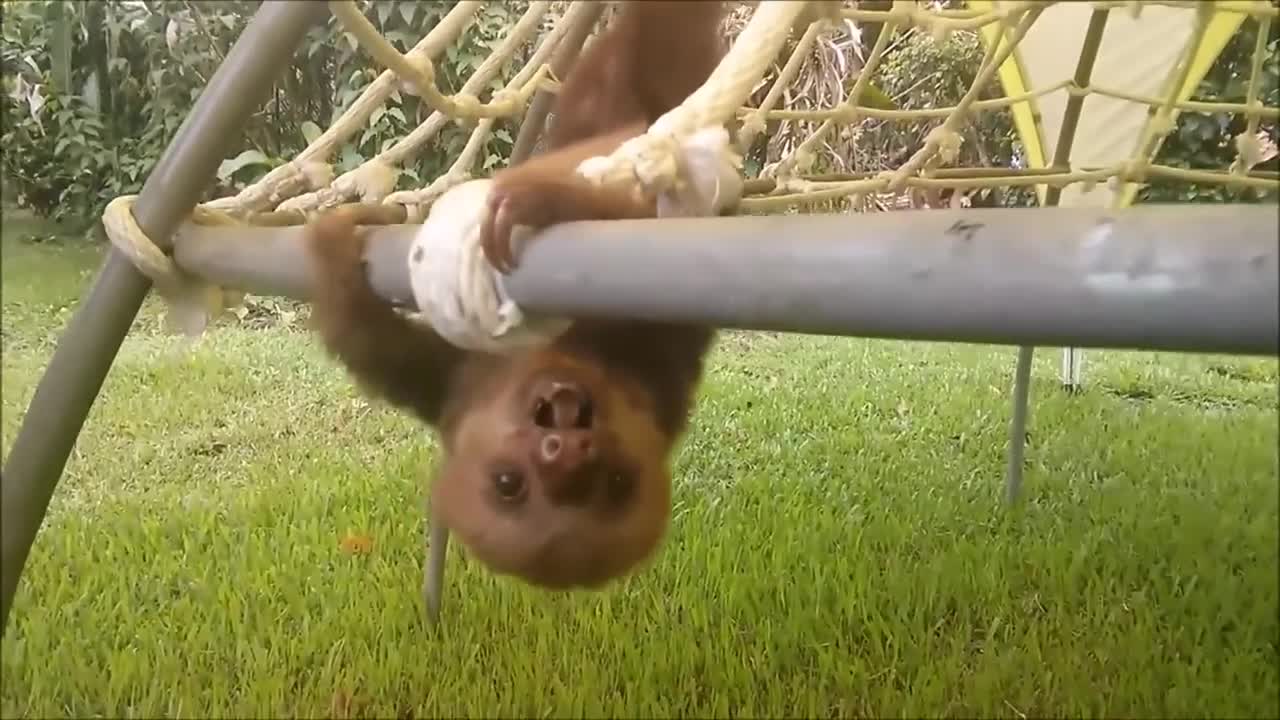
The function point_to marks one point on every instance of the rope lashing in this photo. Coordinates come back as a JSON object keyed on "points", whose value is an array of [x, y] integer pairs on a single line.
{"points": [[462, 297], [308, 185], [647, 158], [457, 291], [698, 175], [190, 301]]}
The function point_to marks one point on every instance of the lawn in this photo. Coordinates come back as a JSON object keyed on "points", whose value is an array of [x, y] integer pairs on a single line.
{"points": [[838, 545]]}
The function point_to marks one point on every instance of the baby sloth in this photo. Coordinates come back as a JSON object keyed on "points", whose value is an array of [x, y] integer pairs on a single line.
{"points": [[556, 459], [557, 463]]}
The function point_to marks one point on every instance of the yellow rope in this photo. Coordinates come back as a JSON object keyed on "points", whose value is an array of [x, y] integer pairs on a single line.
{"points": [[191, 301], [307, 185], [649, 158], [300, 188]]}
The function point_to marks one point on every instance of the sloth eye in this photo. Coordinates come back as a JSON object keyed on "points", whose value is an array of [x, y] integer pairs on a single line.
{"points": [[509, 485]]}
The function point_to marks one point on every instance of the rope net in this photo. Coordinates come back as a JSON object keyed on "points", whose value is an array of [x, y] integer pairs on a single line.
{"points": [[296, 191]]}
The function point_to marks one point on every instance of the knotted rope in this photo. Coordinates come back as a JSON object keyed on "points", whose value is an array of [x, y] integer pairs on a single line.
{"points": [[191, 301], [464, 298]]}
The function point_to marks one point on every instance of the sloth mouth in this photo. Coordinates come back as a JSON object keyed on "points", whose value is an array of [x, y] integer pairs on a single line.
{"points": [[562, 406]]}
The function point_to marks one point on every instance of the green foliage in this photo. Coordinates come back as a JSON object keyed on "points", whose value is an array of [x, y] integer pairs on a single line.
{"points": [[919, 72], [86, 125], [93, 114], [1207, 142], [93, 93], [64, 128]]}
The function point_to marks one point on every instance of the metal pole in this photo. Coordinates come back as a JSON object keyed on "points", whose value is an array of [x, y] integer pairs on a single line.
{"points": [[85, 352], [1191, 278], [1018, 425], [527, 139], [1053, 194], [433, 568]]}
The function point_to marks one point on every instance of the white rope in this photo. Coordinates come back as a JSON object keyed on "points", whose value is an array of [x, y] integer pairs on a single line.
{"points": [[705, 170], [456, 289], [647, 158], [462, 297]]}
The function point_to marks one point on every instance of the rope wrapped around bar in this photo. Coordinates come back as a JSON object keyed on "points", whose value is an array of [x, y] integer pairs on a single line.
{"points": [[650, 159], [462, 297], [457, 291], [190, 300]]}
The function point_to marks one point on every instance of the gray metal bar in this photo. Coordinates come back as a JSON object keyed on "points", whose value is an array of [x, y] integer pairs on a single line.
{"points": [[1061, 158], [1194, 278], [271, 260], [88, 346]]}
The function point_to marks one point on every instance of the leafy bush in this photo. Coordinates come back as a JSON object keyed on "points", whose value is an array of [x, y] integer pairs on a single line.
{"points": [[920, 72], [94, 92], [1208, 142], [916, 72]]}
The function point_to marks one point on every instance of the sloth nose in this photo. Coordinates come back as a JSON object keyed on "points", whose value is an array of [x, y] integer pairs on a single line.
{"points": [[566, 460], [567, 450]]}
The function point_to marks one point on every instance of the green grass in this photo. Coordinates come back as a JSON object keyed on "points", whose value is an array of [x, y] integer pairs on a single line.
{"points": [[838, 545]]}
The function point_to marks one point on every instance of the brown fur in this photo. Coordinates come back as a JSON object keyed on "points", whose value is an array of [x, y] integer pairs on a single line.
{"points": [[587, 424], [546, 189], [652, 56]]}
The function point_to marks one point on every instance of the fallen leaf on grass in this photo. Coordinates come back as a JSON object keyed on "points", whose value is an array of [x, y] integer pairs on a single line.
{"points": [[340, 707], [356, 544]]}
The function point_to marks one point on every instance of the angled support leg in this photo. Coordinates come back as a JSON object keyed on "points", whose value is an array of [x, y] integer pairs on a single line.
{"points": [[1018, 424], [88, 346], [1053, 195], [433, 570], [526, 140]]}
